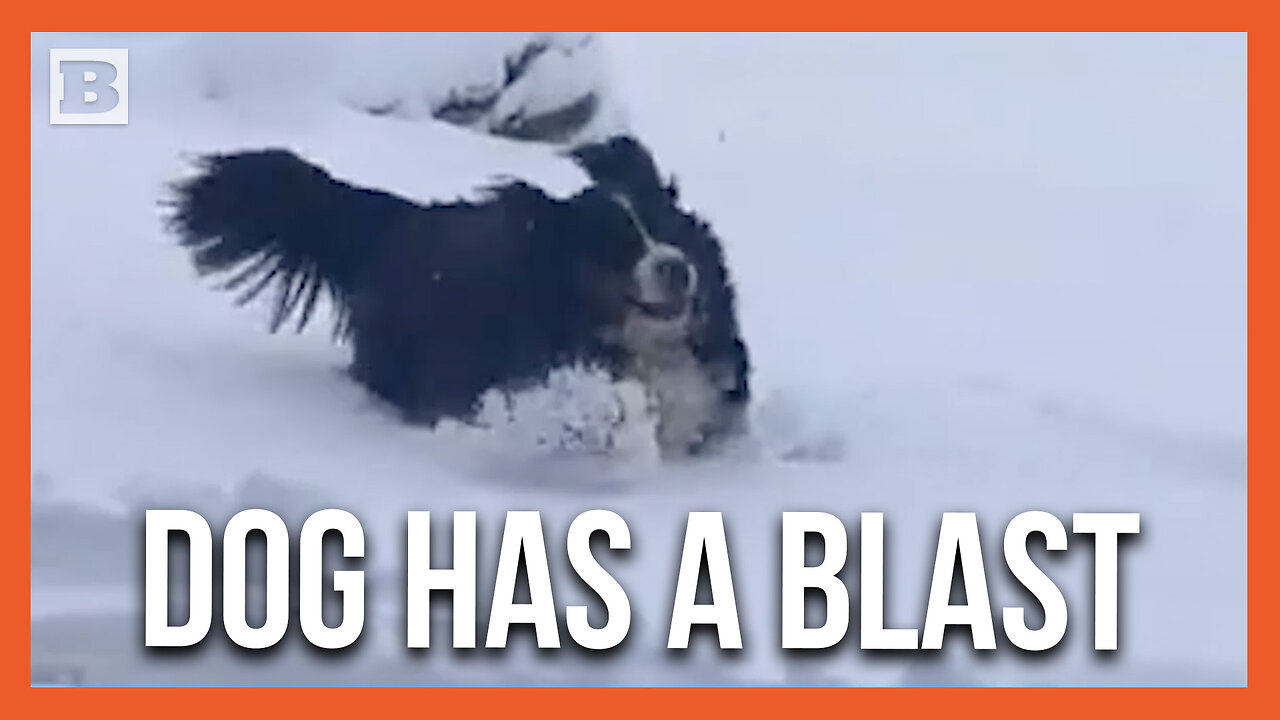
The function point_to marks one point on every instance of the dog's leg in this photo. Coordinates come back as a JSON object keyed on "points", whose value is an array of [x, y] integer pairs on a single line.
{"points": [[687, 402]]}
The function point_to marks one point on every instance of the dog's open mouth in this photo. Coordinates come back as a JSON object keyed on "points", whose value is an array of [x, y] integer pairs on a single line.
{"points": [[661, 309]]}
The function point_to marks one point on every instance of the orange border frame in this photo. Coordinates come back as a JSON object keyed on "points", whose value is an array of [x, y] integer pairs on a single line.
{"points": [[923, 15]]}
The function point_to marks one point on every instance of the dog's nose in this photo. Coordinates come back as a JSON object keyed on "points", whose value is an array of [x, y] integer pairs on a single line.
{"points": [[675, 274]]}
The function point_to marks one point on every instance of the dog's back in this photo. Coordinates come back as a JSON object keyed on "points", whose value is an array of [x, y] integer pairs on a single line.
{"points": [[463, 298]]}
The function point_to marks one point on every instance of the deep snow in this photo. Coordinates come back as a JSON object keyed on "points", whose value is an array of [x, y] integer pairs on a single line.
{"points": [[987, 273]]}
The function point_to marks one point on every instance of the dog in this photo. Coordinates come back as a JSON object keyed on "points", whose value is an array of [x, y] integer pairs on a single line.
{"points": [[443, 302]]}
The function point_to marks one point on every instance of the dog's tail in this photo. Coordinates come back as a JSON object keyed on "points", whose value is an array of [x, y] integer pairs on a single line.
{"points": [[267, 217]]}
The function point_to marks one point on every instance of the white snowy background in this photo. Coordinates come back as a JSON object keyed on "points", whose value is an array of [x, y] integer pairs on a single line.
{"points": [[987, 273]]}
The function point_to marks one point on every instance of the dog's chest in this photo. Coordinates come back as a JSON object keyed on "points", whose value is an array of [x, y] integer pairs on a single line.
{"points": [[686, 397]]}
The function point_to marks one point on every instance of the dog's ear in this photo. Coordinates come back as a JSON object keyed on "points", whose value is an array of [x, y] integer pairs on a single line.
{"points": [[622, 163]]}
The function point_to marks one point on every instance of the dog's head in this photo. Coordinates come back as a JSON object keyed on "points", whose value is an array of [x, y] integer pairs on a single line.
{"points": [[661, 273], [625, 270]]}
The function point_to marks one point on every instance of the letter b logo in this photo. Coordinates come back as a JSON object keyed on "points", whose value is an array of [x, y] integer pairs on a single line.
{"points": [[89, 87]]}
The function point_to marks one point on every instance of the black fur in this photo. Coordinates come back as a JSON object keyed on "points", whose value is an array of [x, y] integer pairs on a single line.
{"points": [[445, 301]]}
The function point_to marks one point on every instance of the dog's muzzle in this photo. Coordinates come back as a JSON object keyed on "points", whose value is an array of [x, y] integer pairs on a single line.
{"points": [[665, 282]]}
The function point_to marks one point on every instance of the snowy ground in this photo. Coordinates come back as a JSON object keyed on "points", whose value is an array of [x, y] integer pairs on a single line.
{"points": [[986, 273]]}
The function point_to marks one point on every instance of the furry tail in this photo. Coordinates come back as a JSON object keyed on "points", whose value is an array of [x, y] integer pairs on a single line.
{"points": [[268, 218]]}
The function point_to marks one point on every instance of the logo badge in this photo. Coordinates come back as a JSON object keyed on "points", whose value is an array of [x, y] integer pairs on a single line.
{"points": [[88, 87]]}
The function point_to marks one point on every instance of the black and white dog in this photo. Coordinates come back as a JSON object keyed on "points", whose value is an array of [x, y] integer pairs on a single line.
{"points": [[444, 302]]}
